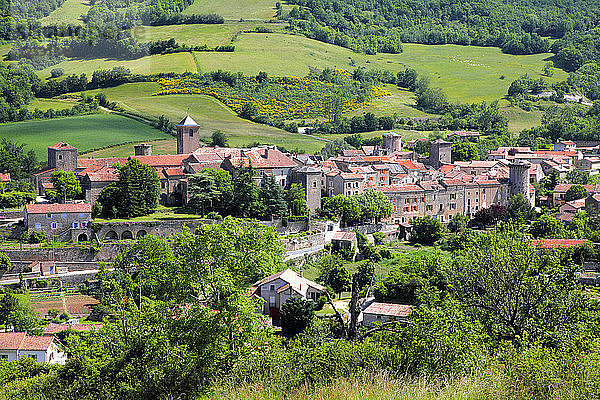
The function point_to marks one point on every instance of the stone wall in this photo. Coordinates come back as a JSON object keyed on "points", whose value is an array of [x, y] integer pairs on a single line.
{"points": [[297, 243], [369, 229], [110, 231]]}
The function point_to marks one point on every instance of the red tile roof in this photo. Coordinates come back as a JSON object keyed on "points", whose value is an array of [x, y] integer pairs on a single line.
{"points": [[36, 343], [556, 243], [344, 236], [104, 174], [401, 188], [4, 177], [53, 328], [393, 310], [58, 208], [166, 160], [11, 340], [173, 172], [62, 146]]}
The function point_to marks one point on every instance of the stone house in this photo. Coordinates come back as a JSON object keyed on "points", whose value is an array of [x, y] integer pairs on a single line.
{"points": [[379, 313], [274, 290], [93, 180], [70, 221], [345, 241], [43, 349], [589, 165], [345, 183]]}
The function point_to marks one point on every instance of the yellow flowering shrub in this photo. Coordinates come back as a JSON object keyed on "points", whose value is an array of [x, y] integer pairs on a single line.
{"points": [[279, 97]]}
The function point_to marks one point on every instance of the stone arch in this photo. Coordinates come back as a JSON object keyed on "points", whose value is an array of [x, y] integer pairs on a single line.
{"points": [[126, 235], [83, 237], [141, 233], [111, 235]]}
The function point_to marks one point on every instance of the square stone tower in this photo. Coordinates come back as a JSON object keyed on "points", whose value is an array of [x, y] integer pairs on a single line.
{"points": [[62, 156], [188, 137], [440, 153]]}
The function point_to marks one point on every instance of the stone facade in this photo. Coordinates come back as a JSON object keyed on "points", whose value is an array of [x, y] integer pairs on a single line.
{"points": [[59, 219], [62, 157], [440, 153], [188, 136]]}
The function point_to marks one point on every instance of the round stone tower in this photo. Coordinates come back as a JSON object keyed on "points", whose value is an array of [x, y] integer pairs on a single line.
{"points": [[392, 142], [519, 179]]}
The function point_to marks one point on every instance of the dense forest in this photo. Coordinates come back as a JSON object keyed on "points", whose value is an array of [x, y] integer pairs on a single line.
{"points": [[517, 26]]}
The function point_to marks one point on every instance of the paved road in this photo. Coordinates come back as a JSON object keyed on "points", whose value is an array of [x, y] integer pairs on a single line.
{"points": [[302, 252]]}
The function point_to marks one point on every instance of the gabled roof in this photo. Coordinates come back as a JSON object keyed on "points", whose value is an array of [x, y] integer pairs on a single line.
{"points": [[58, 208], [165, 160], [188, 121], [393, 310], [22, 341], [556, 243], [292, 278]]}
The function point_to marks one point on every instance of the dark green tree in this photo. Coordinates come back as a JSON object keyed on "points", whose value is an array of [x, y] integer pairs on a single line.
{"points": [[296, 314], [245, 192], [272, 198], [219, 139], [66, 185], [426, 230], [464, 151], [519, 209], [295, 198], [576, 192]]}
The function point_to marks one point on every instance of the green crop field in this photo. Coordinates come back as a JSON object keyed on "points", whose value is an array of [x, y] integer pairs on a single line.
{"points": [[466, 73], [246, 9], [70, 12], [209, 113], [400, 102], [84, 132], [179, 62]]}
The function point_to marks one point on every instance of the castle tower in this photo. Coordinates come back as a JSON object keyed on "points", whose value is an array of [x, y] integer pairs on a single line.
{"points": [[62, 156], [519, 180], [392, 142], [440, 153], [310, 179], [188, 137], [143, 149]]}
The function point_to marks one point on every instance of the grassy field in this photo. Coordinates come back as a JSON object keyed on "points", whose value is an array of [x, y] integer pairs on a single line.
{"points": [[466, 73], [234, 10], [179, 62], [400, 102], [45, 104], [84, 132], [198, 34], [519, 119], [70, 12], [209, 113]]}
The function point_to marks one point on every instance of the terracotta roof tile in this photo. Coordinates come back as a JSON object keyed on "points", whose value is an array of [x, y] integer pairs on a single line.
{"points": [[58, 208], [11, 340], [393, 310], [62, 146], [53, 328]]}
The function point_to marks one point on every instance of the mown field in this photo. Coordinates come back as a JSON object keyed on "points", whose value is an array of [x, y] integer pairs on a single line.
{"points": [[84, 132], [234, 10]]}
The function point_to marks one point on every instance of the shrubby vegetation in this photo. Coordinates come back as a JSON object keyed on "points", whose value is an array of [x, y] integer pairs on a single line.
{"points": [[369, 26], [505, 314]]}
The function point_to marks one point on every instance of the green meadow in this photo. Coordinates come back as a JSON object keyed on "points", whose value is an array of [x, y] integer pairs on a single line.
{"points": [[179, 62], [70, 12], [465, 73], [234, 10], [209, 113], [84, 132]]}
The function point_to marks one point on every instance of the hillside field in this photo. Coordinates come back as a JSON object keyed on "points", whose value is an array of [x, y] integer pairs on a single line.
{"points": [[243, 9], [84, 132], [70, 12], [209, 113]]}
